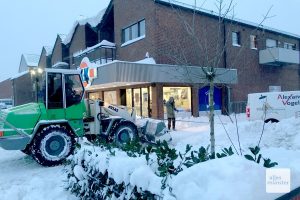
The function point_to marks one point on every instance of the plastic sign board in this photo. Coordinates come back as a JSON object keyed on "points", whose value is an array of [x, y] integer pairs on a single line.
{"points": [[88, 71]]}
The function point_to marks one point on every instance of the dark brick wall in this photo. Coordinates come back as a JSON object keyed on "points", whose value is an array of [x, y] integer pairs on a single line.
{"points": [[78, 42], [126, 13], [6, 91], [23, 90], [106, 30], [83, 37], [43, 59], [57, 53], [91, 36], [253, 77], [170, 41], [178, 41]]}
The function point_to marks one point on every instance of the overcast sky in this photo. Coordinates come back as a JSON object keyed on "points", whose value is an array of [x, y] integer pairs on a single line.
{"points": [[27, 26]]}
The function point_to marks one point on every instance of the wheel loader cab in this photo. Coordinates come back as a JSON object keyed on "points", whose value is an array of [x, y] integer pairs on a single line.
{"points": [[63, 100], [63, 89]]}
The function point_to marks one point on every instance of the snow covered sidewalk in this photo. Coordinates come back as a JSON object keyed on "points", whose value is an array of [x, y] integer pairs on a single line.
{"points": [[21, 178]]}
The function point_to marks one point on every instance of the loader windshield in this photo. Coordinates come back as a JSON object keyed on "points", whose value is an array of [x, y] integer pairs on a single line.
{"points": [[74, 89], [55, 94]]}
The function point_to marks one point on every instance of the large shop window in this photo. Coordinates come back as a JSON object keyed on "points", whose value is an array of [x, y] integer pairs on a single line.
{"points": [[140, 99], [133, 33], [94, 95], [182, 97], [110, 97]]}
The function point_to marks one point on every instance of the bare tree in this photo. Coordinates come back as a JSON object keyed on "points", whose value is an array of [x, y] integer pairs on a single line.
{"points": [[208, 43]]}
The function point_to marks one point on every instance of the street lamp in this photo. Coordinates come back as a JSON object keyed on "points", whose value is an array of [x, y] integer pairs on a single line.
{"points": [[35, 73]]}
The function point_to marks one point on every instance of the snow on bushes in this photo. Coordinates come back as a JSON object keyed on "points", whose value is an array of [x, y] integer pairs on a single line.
{"points": [[156, 172]]}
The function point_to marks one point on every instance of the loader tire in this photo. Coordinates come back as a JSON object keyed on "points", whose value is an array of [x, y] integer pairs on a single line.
{"points": [[53, 145], [125, 132], [27, 150]]}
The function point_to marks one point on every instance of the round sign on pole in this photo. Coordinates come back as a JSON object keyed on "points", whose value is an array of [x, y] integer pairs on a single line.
{"points": [[88, 71]]}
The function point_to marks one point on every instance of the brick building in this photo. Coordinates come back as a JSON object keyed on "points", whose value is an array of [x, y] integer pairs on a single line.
{"points": [[265, 58], [130, 30]]}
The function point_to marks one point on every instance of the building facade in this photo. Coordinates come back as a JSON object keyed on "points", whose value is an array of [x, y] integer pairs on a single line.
{"points": [[265, 58], [160, 33]]}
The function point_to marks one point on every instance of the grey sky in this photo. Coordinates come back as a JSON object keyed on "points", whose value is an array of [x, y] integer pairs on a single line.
{"points": [[29, 25]]}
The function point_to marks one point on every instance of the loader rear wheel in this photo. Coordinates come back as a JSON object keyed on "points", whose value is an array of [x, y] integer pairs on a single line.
{"points": [[27, 150], [125, 132], [53, 145]]}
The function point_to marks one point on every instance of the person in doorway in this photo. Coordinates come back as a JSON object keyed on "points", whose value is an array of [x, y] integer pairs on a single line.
{"points": [[170, 105]]}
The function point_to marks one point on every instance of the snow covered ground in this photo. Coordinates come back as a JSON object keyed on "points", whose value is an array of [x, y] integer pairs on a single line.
{"points": [[21, 178], [229, 178]]}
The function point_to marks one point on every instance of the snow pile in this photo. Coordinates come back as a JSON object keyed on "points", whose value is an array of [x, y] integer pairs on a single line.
{"points": [[147, 61], [227, 178], [195, 131]]}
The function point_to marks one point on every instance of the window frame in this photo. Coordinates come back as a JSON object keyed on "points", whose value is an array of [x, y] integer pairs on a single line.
{"points": [[253, 42], [236, 41], [137, 35], [269, 39], [62, 91], [68, 101], [290, 46]]}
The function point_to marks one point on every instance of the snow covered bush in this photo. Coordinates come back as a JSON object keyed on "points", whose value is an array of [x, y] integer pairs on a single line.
{"points": [[101, 172], [135, 171]]}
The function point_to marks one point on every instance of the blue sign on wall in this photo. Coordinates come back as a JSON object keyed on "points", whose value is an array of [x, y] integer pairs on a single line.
{"points": [[203, 95]]}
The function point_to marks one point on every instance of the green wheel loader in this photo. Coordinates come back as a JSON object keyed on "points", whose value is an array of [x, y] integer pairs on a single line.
{"points": [[47, 129]]}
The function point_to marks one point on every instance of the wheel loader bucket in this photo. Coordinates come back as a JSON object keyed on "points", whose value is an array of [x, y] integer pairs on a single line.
{"points": [[156, 130]]}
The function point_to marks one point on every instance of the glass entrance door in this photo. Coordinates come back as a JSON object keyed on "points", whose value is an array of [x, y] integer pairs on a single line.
{"points": [[137, 101]]}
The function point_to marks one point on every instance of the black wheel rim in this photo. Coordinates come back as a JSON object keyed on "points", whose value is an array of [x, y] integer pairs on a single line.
{"points": [[125, 135], [55, 145]]}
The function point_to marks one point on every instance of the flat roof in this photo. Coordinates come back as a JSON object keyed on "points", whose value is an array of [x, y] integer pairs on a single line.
{"points": [[233, 19], [119, 73]]}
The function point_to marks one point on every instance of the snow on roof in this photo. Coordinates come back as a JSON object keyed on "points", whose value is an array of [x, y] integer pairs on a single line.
{"points": [[211, 12], [62, 36], [31, 59], [104, 43], [60, 64], [93, 21], [48, 50], [146, 61], [19, 75]]}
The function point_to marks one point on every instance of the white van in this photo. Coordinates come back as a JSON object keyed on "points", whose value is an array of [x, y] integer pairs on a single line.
{"points": [[273, 106]]}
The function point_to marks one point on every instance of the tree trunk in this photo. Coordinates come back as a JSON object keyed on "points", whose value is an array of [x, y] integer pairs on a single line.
{"points": [[211, 117]]}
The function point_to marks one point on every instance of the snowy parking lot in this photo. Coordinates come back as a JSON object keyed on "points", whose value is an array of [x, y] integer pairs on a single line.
{"points": [[21, 178]]}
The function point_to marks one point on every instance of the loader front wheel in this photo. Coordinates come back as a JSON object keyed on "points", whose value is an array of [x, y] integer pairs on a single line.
{"points": [[125, 132], [53, 145]]}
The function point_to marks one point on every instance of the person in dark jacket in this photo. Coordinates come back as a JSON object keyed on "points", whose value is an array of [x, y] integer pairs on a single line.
{"points": [[170, 105]]}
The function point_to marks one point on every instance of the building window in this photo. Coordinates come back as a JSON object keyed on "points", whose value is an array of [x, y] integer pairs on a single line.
{"points": [[182, 97], [110, 97], [133, 32], [253, 41], [290, 46], [236, 41], [270, 43]]}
